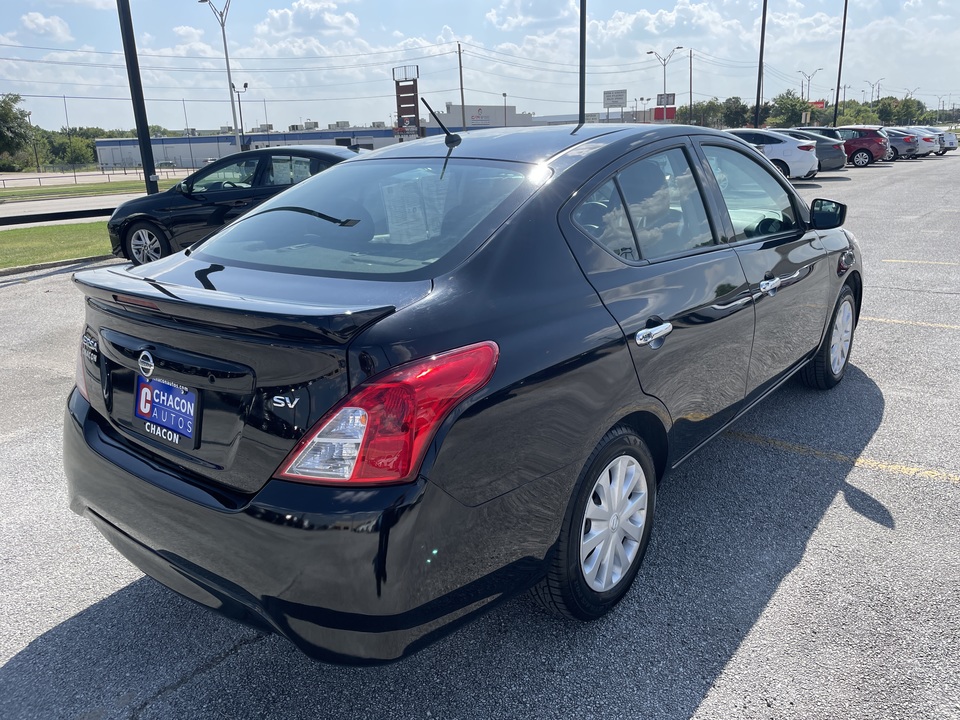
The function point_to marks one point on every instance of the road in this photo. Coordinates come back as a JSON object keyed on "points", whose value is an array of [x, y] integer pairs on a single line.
{"points": [[804, 565]]}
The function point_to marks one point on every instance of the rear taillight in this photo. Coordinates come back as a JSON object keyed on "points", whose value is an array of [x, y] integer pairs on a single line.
{"points": [[838, 147], [805, 147], [909, 138], [379, 433]]}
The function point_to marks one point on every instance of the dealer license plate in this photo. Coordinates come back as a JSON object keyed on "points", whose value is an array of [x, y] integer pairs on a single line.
{"points": [[169, 411]]}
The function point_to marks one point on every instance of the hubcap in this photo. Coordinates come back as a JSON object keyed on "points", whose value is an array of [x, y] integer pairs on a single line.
{"points": [[145, 246], [613, 523], [841, 336], [861, 159]]}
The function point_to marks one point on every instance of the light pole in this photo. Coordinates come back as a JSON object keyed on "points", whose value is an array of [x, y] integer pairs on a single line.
{"points": [[872, 86], [240, 92], [221, 16], [504, 109], [939, 103], [809, 80], [664, 61], [36, 155]]}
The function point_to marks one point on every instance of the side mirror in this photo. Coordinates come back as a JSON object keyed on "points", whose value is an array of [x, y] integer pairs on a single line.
{"points": [[185, 187], [827, 214]]}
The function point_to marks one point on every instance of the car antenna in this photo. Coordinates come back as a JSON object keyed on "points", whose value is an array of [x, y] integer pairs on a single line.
{"points": [[452, 139]]}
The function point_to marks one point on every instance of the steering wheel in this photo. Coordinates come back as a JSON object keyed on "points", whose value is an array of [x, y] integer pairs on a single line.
{"points": [[228, 184]]}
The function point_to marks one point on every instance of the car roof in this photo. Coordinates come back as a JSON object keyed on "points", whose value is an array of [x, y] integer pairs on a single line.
{"points": [[780, 135], [534, 144]]}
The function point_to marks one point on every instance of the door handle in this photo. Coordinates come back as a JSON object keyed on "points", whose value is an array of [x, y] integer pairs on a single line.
{"points": [[649, 335], [239, 203], [770, 286]]}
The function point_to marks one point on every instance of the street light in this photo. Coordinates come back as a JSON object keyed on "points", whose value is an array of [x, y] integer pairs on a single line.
{"points": [[221, 16], [809, 79], [33, 135], [664, 61], [872, 86], [239, 92], [504, 109]]}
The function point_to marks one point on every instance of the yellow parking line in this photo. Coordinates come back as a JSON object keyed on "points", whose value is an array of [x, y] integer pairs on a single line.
{"points": [[922, 262], [911, 322], [860, 462]]}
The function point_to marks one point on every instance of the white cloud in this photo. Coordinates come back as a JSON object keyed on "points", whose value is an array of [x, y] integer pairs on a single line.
{"points": [[311, 17], [53, 26], [94, 4], [187, 34]]}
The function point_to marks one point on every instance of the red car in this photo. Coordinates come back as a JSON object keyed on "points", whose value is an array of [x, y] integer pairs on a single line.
{"points": [[864, 143]]}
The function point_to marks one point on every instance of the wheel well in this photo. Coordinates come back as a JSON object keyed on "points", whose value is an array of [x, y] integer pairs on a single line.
{"points": [[650, 428], [855, 283]]}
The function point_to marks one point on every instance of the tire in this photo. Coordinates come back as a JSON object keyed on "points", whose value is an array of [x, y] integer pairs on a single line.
{"points": [[861, 158], [599, 550], [892, 154], [144, 243], [827, 368], [941, 152], [782, 167]]}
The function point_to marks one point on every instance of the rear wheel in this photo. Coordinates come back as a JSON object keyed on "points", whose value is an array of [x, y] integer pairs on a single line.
{"points": [[892, 154], [828, 366], [605, 531], [782, 167], [861, 158], [145, 243]]}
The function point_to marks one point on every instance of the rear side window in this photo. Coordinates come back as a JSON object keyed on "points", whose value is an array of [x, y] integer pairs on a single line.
{"points": [[651, 209], [378, 217], [291, 169], [757, 203]]}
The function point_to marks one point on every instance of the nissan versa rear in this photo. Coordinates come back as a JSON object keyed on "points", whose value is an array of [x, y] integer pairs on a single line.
{"points": [[446, 372]]}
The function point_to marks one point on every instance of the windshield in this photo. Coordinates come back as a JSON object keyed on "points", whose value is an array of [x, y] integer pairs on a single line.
{"points": [[378, 217]]}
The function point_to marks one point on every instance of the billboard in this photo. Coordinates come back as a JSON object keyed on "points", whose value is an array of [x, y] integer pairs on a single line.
{"points": [[614, 98], [666, 99]]}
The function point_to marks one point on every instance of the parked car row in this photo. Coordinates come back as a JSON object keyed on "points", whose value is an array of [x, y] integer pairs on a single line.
{"points": [[866, 144]]}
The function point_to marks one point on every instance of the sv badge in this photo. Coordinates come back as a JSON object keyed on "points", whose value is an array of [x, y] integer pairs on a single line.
{"points": [[283, 401]]}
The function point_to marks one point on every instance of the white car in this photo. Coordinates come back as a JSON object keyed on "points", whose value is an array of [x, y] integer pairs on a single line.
{"points": [[794, 158]]}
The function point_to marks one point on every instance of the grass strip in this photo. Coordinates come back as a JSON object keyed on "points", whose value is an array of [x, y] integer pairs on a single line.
{"points": [[29, 246], [48, 192]]}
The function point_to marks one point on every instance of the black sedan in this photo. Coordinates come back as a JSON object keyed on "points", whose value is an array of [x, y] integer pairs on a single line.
{"points": [[154, 226], [446, 372]]}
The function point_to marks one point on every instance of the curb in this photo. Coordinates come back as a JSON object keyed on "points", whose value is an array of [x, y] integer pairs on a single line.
{"points": [[54, 264]]}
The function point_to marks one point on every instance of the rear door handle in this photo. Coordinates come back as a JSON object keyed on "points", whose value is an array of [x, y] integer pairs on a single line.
{"points": [[239, 203], [649, 335]]}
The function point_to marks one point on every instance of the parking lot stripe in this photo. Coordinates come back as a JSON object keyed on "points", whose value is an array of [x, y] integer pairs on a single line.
{"points": [[941, 326], [923, 262], [860, 462]]}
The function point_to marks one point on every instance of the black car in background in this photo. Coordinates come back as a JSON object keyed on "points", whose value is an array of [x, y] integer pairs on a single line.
{"points": [[154, 226], [446, 372]]}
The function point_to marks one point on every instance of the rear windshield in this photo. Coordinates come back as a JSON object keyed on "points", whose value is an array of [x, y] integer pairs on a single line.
{"points": [[378, 217]]}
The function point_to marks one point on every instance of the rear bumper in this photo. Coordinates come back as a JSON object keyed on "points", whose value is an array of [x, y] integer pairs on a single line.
{"points": [[349, 576]]}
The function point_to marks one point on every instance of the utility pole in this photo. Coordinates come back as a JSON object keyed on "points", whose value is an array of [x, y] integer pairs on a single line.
{"points": [[136, 95], [843, 37], [463, 109], [763, 35], [583, 61]]}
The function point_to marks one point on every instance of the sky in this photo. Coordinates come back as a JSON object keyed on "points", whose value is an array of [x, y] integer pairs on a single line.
{"points": [[332, 60]]}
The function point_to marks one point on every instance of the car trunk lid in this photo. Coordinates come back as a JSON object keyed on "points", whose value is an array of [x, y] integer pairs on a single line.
{"points": [[222, 370]]}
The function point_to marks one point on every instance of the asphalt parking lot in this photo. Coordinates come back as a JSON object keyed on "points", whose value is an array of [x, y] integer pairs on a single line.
{"points": [[804, 565]]}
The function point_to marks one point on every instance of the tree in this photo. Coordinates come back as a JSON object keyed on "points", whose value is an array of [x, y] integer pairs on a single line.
{"points": [[15, 131], [788, 109], [735, 112]]}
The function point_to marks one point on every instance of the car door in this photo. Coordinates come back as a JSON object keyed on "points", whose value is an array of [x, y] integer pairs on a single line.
{"points": [[213, 197], [642, 234], [784, 262]]}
